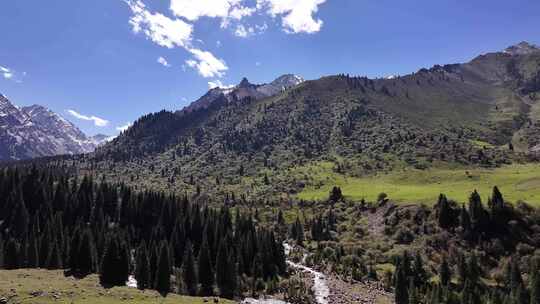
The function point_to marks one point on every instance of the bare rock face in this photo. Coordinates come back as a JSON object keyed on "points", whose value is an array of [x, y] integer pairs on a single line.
{"points": [[36, 131], [522, 48], [245, 89]]}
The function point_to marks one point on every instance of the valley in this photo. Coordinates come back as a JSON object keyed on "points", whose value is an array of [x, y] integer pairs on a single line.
{"points": [[421, 188]]}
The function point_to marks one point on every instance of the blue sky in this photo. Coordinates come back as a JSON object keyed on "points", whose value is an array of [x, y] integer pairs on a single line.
{"points": [[100, 58]]}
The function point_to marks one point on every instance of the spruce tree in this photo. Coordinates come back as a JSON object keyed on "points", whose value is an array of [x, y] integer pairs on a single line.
{"points": [[11, 258], [74, 250], [54, 259], [462, 270], [473, 270], [21, 218], [232, 277], [335, 194], [401, 292], [142, 268], [444, 212], [205, 271], [86, 258], [1, 252], [413, 293], [32, 254], [188, 271], [163, 272], [476, 211], [226, 272], [419, 273], [515, 274], [534, 282], [114, 265], [444, 272]]}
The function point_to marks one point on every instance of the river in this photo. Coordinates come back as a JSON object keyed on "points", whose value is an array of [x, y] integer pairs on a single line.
{"points": [[320, 287]]}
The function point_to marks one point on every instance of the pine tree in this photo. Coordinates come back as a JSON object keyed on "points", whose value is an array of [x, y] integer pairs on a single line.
{"points": [[188, 271], [401, 292], [335, 194], [444, 272], [86, 259], [205, 271], [142, 268], [534, 282], [515, 274], [11, 258], [115, 264], [163, 272], [1, 252], [297, 232], [465, 219], [232, 277], [462, 269], [74, 250], [473, 270], [21, 218], [444, 212], [32, 255], [476, 211], [519, 295], [221, 267], [419, 273], [54, 259], [413, 293]]}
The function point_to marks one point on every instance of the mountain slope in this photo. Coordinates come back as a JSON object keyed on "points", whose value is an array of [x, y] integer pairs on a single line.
{"points": [[245, 89], [35, 131], [465, 114]]}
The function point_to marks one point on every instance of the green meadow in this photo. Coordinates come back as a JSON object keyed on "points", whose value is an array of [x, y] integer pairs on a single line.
{"points": [[407, 185], [39, 286]]}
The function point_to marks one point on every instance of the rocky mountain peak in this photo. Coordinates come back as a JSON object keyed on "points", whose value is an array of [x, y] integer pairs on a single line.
{"points": [[522, 48], [35, 131], [244, 83], [288, 80]]}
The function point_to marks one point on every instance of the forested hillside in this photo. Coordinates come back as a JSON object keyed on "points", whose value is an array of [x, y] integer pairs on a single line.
{"points": [[484, 113], [167, 243]]}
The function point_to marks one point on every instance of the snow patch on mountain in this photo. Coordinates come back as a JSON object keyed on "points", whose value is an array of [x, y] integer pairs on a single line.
{"points": [[35, 131], [245, 89]]}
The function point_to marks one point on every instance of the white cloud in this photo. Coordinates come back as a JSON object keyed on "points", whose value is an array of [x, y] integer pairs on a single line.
{"points": [[7, 73], [194, 9], [261, 28], [163, 62], [258, 63], [160, 29], [207, 64], [172, 33], [240, 12], [218, 84], [218, 43], [98, 122], [296, 15], [124, 127], [242, 32]]}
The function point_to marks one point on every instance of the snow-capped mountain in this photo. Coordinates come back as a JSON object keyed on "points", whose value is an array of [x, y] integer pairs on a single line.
{"points": [[280, 84], [36, 131], [246, 89]]}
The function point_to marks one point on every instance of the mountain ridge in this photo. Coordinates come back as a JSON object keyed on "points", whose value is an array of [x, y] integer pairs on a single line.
{"points": [[245, 89], [362, 125], [35, 131]]}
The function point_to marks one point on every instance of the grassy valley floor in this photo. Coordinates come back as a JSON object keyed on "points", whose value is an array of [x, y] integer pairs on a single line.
{"points": [[517, 182], [51, 286]]}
